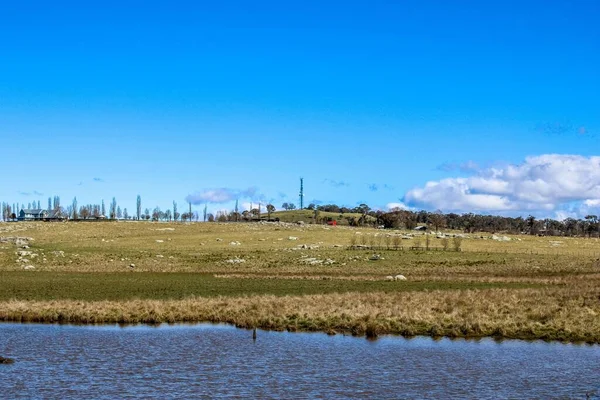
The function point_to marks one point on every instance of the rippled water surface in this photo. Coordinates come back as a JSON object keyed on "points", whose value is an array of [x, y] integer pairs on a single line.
{"points": [[186, 361]]}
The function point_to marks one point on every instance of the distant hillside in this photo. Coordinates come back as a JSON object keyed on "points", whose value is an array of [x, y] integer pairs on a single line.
{"points": [[307, 216]]}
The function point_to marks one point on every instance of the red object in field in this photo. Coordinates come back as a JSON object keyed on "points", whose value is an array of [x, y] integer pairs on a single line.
{"points": [[334, 223]]}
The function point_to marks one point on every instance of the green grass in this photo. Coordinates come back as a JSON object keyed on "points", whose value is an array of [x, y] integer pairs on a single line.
{"points": [[20, 285]]}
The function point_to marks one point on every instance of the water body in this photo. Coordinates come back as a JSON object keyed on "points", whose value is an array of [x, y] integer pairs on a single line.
{"points": [[212, 361]]}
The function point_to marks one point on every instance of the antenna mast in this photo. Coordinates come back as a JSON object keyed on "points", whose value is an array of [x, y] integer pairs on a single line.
{"points": [[301, 193]]}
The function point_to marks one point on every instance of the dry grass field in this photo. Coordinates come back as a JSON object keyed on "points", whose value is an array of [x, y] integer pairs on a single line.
{"points": [[300, 277]]}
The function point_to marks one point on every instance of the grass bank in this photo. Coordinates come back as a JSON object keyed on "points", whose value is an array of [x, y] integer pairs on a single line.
{"points": [[554, 313]]}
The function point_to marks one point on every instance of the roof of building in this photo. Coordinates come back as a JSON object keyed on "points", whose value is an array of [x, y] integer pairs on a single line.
{"points": [[33, 210]]}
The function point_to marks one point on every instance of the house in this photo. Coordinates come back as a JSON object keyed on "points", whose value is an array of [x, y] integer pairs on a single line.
{"points": [[36, 215]]}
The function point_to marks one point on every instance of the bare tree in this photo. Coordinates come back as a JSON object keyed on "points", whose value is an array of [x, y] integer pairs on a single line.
{"points": [[438, 220], [84, 212], [113, 208]]}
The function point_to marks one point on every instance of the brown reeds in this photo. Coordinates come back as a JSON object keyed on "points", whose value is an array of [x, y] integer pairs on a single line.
{"points": [[553, 313]]}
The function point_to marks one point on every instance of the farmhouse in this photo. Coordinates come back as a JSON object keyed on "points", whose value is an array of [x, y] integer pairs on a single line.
{"points": [[36, 215]]}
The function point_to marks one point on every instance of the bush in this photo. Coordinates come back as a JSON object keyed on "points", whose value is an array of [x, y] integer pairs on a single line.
{"points": [[445, 243], [417, 242], [457, 242]]}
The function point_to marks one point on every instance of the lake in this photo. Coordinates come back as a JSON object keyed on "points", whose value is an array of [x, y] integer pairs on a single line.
{"points": [[204, 360]]}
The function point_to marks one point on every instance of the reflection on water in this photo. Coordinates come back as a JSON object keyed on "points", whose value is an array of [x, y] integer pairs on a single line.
{"points": [[183, 361]]}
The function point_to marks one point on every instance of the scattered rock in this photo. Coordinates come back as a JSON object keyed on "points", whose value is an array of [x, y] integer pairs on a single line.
{"points": [[236, 243], [132, 265], [219, 240], [292, 238], [29, 267], [399, 277], [307, 247], [389, 278], [376, 257], [159, 256], [236, 260], [159, 241]]}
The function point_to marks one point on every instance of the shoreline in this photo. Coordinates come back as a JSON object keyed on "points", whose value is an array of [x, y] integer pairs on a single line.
{"points": [[225, 326], [470, 314]]}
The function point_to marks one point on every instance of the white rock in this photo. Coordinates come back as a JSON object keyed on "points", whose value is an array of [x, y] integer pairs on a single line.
{"points": [[292, 238], [399, 278], [159, 241], [389, 278], [236, 260], [29, 267]]}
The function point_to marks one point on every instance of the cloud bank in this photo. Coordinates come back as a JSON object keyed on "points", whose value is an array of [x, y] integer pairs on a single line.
{"points": [[223, 195], [546, 183]]}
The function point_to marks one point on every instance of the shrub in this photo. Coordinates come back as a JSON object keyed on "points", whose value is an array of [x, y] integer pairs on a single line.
{"points": [[445, 243], [457, 242], [417, 242]]}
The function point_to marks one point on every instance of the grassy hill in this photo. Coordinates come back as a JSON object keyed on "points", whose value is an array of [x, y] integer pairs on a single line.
{"points": [[307, 216]]}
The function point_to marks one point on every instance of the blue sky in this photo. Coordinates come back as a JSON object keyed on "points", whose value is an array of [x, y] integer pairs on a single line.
{"points": [[418, 104]]}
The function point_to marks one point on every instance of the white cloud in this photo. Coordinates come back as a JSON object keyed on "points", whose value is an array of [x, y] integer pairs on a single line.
{"points": [[399, 205], [592, 202], [541, 183], [222, 195]]}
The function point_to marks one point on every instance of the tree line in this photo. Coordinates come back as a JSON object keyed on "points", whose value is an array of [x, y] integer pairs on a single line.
{"points": [[393, 219]]}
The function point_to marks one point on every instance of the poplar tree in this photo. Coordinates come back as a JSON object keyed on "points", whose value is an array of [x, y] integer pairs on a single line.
{"points": [[139, 207], [74, 206]]}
